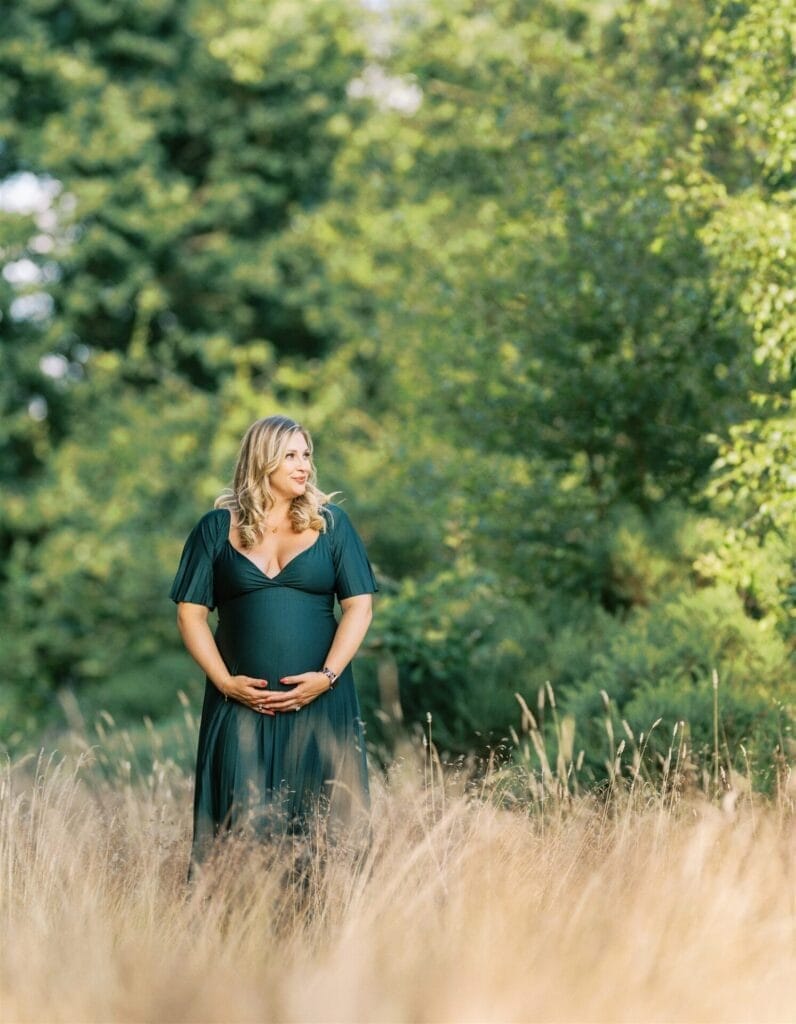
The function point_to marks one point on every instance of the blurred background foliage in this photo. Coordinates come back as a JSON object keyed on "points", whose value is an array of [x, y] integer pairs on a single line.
{"points": [[525, 269]]}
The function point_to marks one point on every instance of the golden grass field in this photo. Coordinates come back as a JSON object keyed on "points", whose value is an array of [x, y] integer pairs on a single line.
{"points": [[474, 902]]}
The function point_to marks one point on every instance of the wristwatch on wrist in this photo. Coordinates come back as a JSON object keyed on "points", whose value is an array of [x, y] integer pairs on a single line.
{"points": [[330, 675]]}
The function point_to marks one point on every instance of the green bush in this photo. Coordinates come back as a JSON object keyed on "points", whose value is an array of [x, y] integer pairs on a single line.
{"points": [[463, 649], [660, 666]]}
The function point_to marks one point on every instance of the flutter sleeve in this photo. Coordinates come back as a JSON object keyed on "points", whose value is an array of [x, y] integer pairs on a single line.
{"points": [[194, 579], [353, 571]]}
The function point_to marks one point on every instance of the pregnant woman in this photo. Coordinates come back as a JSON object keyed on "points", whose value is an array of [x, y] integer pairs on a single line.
{"points": [[280, 736]]}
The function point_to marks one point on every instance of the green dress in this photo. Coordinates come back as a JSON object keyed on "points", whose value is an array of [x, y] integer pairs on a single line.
{"points": [[258, 773]]}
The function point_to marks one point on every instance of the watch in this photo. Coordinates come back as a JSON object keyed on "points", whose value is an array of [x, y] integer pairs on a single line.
{"points": [[330, 675]]}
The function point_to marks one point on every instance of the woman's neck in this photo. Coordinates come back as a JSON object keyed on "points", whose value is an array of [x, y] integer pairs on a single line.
{"points": [[279, 511]]}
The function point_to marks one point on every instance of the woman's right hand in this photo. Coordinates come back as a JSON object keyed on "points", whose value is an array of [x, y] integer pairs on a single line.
{"points": [[248, 691]]}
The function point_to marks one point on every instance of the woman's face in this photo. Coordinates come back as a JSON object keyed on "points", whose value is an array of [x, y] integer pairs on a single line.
{"points": [[289, 479]]}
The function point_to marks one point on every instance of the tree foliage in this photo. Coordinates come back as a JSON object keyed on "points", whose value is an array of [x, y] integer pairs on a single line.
{"points": [[525, 269]]}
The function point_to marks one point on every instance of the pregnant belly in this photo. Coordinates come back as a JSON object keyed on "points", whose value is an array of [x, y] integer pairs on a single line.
{"points": [[275, 632]]}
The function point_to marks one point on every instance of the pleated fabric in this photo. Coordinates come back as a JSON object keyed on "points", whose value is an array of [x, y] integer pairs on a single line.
{"points": [[256, 774]]}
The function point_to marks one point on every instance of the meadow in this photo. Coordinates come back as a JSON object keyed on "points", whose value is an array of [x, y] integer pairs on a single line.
{"points": [[505, 893], [526, 273]]}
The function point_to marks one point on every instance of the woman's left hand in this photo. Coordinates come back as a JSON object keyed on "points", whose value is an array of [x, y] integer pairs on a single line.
{"points": [[305, 688]]}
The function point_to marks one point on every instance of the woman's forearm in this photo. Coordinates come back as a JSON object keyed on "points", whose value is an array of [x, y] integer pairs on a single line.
{"points": [[351, 630], [201, 645]]}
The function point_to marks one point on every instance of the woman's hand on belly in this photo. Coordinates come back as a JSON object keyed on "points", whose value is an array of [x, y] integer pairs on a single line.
{"points": [[304, 689], [248, 691]]}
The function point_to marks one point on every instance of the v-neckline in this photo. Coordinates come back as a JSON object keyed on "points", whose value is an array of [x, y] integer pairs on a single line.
{"points": [[257, 567]]}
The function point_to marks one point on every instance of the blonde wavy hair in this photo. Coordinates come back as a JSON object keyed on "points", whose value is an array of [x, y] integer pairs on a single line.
{"points": [[261, 451]]}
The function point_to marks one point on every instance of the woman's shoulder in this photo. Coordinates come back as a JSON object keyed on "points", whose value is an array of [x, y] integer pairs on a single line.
{"points": [[334, 514], [214, 523], [216, 516]]}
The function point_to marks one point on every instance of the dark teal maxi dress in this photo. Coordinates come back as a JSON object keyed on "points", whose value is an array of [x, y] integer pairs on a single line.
{"points": [[268, 775]]}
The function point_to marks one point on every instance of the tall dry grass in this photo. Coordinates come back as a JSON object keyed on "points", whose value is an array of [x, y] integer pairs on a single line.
{"points": [[509, 898]]}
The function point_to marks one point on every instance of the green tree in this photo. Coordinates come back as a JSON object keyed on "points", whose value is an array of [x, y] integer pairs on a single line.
{"points": [[182, 136], [523, 269], [527, 300], [742, 175]]}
